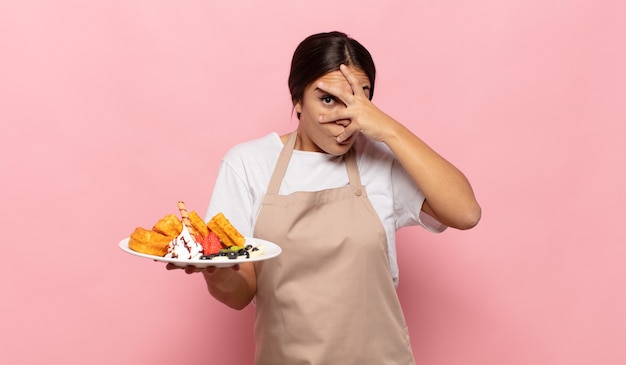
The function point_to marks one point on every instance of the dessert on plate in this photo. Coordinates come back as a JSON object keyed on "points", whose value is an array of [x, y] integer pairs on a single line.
{"points": [[191, 238]]}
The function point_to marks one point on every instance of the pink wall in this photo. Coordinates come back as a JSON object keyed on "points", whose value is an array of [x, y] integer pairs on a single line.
{"points": [[111, 113]]}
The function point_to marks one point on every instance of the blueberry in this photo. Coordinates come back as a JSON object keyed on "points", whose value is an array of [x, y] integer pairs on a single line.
{"points": [[232, 255]]}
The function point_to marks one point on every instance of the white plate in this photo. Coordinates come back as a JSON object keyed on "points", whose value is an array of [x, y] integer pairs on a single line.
{"points": [[271, 250]]}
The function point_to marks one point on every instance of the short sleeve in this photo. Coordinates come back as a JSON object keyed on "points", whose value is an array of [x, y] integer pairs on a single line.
{"points": [[408, 201], [233, 197]]}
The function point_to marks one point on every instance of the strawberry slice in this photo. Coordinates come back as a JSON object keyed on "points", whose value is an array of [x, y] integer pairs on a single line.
{"points": [[210, 243], [204, 242], [214, 243]]}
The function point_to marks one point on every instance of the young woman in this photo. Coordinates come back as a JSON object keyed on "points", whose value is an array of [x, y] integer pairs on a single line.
{"points": [[332, 194]]}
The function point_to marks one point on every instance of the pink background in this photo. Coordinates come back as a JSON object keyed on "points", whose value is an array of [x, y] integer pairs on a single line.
{"points": [[112, 111]]}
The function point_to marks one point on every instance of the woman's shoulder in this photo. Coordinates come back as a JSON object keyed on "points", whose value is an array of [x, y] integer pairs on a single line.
{"points": [[269, 141], [255, 148]]}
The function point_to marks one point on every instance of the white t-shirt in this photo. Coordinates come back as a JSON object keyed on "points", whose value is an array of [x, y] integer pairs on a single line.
{"points": [[246, 170]]}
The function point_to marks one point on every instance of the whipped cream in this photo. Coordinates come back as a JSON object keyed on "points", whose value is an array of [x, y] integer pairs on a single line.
{"points": [[184, 247], [257, 251]]}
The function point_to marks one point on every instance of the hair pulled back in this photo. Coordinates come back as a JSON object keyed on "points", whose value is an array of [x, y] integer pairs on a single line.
{"points": [[322, 53]]}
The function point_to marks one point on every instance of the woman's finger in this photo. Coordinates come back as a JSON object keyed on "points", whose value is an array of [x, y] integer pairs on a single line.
{"points": [[346, 134], [352, 80], [341, 117]]}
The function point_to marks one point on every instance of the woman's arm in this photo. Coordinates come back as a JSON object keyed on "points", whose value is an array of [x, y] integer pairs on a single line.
{"points": [[449, 196]]}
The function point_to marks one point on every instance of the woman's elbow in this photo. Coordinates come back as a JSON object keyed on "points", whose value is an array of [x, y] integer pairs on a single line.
{"points": [[470, 219]]}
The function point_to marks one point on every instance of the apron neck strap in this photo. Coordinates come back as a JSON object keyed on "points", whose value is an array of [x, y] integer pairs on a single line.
{"points": [[353, 171], [283, 161]]}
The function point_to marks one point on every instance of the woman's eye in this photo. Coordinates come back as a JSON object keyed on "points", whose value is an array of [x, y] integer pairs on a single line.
{"points": [[327, 99]]}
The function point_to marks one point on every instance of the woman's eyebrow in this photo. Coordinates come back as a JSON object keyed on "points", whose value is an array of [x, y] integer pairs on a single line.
{"points": [[317, 89]]}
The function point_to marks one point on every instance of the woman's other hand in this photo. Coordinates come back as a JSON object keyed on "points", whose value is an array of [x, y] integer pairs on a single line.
{"points": [[234, 286], [209, 270]]}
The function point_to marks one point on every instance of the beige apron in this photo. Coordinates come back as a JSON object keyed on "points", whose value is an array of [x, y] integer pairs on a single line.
{"points": [[329, 298]]}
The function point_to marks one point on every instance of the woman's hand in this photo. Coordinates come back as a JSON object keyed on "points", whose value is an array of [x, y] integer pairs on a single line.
{"points": [[234, 286], [211, 273], [360, 115], [449, 196], [214, 276]]}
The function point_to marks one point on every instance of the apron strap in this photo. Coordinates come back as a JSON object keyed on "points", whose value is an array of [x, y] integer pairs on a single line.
{"points": [[283, 161], [281, 165], [353, 171]]}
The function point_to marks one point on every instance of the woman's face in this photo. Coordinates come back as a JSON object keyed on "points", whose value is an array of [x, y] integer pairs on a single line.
{"points": [[322, 137]]}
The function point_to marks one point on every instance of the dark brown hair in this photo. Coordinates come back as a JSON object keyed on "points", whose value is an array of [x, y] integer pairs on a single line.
{"points": [[322, 53]]}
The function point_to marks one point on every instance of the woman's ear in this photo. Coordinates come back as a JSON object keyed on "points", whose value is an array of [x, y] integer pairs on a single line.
{"points": [[297, 106]]}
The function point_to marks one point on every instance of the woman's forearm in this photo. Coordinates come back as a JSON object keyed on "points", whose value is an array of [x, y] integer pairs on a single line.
{"points": [[235, 288], [449, 196]]}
